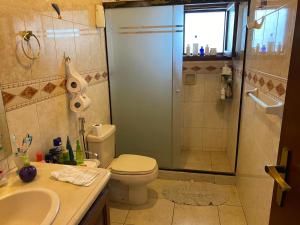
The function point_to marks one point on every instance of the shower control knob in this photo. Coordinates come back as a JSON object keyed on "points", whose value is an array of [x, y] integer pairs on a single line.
{"points": [[178, 91]]}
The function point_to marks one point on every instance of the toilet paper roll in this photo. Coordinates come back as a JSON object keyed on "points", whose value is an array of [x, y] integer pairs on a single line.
{"points": [[97, 129], [75, 83], [80, 103]]}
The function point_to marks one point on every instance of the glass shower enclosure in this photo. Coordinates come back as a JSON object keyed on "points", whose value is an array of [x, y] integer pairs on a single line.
{"points": [[145, 47]]}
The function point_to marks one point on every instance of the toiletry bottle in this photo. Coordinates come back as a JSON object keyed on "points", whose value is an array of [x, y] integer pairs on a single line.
{"points": [[58, 149], [195, 46], [279, 48], [263, 48], [201, 51], [271, 44], [223, 97], [65, 154], [39, 156], [257, 49], [79, 153], [188, 50], [70, 150], [228, 92], [206, 50]]}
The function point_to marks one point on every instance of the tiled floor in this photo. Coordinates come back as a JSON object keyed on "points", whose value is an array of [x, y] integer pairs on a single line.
{"points": [[160, 211], [203, 160]]}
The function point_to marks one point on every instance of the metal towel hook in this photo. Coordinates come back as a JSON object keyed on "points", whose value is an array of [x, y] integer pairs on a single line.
{"points": [[26, 35]]}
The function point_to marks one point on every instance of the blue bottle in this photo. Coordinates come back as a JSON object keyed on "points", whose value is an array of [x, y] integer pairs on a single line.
{"points": [[263, 48], [201, 51]]}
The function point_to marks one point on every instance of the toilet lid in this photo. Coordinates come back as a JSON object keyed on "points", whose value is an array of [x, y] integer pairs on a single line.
{"points": [[133, 164]]}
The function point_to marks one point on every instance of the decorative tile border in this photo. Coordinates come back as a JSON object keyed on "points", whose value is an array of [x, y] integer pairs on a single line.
{"points": [[267, 83], [18, 95], [205, 67]]}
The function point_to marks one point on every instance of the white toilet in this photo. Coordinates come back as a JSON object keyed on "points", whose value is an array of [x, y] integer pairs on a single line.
{"points": [[130, 173]]}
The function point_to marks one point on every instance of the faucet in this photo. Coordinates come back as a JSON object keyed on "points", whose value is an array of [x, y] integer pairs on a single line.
{"points": [[92, 154]]}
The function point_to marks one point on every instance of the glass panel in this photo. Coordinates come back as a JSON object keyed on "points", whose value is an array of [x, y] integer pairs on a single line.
{"points": [[210, 124], [140, 65]]}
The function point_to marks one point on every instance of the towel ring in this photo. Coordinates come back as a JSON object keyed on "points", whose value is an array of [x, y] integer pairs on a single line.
{"points": [[26, 35]]}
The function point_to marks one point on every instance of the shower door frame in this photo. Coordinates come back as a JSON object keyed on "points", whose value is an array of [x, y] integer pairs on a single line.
{"points": [[177, 93]]}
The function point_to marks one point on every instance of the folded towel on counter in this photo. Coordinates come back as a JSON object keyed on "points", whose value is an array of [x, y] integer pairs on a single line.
{"points": [[81, 176]]}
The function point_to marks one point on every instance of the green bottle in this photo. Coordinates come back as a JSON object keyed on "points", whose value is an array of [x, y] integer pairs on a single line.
{"points": [[79, 153]]}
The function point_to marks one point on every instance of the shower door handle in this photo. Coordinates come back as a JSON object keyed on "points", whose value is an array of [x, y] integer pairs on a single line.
{"points": [[279, 173]]}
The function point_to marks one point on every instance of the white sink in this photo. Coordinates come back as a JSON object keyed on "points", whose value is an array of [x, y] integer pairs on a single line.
{"points": [[37, 206]]}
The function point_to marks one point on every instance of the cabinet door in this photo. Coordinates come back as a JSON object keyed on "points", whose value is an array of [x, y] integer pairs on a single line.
{"points": [[98, 214]]}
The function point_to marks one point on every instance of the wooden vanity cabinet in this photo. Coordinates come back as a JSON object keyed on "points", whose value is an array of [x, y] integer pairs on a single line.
{"points": [[98, 214]]}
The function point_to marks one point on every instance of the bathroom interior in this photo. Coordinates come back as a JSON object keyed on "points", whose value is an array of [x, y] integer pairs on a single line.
{"points": [[171, 110]]}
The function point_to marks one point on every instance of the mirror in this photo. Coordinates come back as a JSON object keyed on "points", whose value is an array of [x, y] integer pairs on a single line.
{"points": [[5, 145]]}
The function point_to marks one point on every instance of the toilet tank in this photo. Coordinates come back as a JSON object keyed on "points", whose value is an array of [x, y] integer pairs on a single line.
{"points": [[103, 144]]}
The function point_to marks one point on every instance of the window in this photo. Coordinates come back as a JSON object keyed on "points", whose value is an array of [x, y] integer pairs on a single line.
{"points": [[208, 27], [275, 34]]}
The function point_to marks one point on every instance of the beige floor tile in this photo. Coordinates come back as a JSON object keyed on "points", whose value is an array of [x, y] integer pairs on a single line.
{"points": [[156, 188], [221, 167], [195, 215], [233, 195], [231, 215], [197, 177], [198, 160], [206, 166], [156, 212], [118, 212], [225, 180], [220, 162], [116, 223]]}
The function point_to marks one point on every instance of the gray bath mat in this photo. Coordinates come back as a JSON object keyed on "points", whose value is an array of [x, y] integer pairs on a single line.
{"points": [[197, 193]]}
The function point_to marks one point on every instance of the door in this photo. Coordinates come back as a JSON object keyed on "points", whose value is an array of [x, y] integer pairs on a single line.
{"points": [[289, 212], [142, 73]]}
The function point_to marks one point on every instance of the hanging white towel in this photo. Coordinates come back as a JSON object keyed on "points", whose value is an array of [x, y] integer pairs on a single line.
{"points": [[81, 176]]}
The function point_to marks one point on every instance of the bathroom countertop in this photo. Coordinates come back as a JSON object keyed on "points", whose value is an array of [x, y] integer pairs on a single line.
{"points": [[75, 200]]}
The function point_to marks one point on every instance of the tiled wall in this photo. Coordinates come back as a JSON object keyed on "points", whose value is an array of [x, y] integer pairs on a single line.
{"points": [[34, 92], [206, 117], [260, 133]]}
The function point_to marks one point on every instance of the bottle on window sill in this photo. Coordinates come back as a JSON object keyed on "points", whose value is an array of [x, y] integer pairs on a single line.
{"points": [[201, 51], [206, 50], [195, 46], [188, 50]]}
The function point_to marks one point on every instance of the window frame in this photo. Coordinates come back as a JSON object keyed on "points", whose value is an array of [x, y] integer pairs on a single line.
{"points": [[226, 53]]}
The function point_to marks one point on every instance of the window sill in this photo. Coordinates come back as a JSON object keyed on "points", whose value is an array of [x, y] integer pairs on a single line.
{"points": [[206, 58]]}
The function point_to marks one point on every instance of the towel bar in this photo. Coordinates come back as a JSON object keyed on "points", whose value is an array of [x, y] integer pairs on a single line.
{"points": [[276, 109]]}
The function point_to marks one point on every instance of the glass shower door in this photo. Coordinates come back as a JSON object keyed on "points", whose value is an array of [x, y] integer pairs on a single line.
{"points": [[140, 55]]}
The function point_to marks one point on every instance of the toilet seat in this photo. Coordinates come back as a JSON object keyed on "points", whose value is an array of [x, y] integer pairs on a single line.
{"points": [[128, 164]]}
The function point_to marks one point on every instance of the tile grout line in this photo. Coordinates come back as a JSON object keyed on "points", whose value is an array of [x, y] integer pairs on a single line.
{"points": [[219, 215], [127, 215], [173, 213]]}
